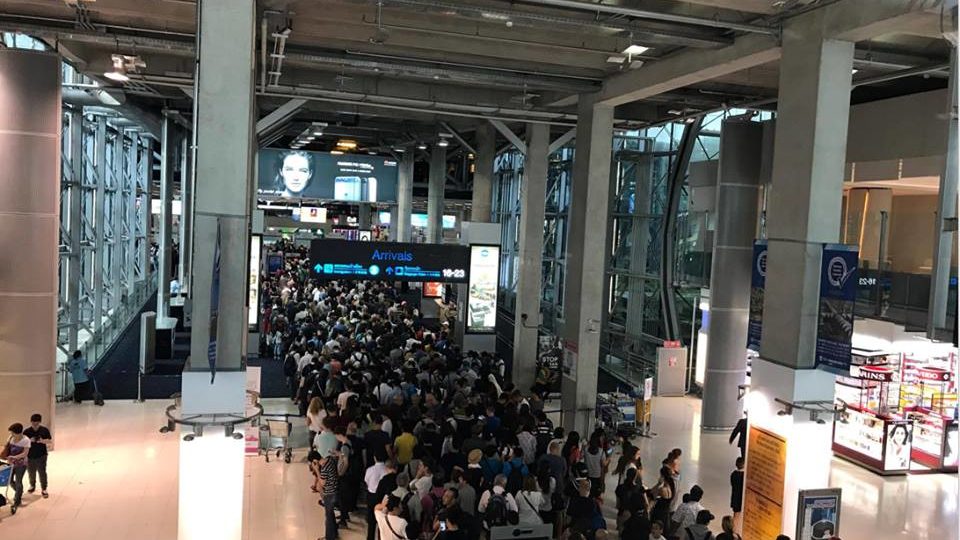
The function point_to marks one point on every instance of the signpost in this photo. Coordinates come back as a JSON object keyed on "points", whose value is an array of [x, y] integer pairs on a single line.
{"points": [[389, 261]]}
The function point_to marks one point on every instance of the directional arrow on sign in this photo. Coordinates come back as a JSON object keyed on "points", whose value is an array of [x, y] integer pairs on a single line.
{"points": [[389, 270]]}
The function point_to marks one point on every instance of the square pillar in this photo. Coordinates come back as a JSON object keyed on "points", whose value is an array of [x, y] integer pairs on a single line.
{"points": [[530, 275], [435, 187], [482, 203], [584, 306]]}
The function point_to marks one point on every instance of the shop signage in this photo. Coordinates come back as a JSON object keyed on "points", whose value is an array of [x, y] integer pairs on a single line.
{"points": [[876, 373], [934, 374], [758, 282], [764, 484], [838, 293], [391, 261], [482, 292], [818, 513]]}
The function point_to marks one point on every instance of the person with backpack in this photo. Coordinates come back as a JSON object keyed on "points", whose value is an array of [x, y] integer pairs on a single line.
{"points": [[490, 465], [498, 507], [515, 470]]}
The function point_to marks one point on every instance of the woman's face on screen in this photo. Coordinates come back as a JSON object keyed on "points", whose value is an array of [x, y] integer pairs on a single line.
{"points": [[295, 172]]}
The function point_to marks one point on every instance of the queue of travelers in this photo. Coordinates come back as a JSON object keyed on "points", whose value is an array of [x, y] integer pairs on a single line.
{"points": [[422, 440]]}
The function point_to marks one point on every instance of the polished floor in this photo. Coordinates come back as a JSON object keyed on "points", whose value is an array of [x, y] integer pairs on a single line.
{"points": [[113, 475]]}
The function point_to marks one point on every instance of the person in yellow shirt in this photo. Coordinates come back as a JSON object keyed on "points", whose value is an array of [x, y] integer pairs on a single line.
{"points": [[404, 444]]}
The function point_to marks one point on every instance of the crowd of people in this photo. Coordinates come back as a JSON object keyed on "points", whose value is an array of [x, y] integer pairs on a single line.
{"points": [[427, 441]]}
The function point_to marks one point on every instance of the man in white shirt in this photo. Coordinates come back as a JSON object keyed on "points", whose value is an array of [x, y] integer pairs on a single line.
{"points": [[686, 514]]}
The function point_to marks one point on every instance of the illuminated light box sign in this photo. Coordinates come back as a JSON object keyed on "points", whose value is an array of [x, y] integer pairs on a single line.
{"points": [[448, 221], [389, 261], [310, 214], [320, 175], [482, 294]]}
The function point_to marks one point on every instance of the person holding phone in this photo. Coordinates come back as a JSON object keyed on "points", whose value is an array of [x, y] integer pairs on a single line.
{"points": [[40, 438]]}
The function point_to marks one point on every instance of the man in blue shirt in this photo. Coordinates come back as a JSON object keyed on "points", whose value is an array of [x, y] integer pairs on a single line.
{"points": [[78, 371]]}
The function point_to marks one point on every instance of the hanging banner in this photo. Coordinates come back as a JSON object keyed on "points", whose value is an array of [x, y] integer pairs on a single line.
{"points": [[214, 308], [764, 484], [838, 293], [818, 514], [758, 283]]}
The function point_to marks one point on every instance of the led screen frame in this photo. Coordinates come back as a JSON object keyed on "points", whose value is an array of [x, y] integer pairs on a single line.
{"points": [[483, 290]]}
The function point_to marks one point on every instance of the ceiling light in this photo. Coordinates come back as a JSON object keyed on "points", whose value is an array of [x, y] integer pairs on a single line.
{"points": [[421, 146], [118, 72], [616, 59], [443, 143], [399, 150], [336, 152], [854, 71], [372, 153], [346, 144], [311, 137], [635, 50]]}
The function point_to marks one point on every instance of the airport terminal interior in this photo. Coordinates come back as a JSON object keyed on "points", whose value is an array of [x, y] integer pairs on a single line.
{"points": [[492, 269]]}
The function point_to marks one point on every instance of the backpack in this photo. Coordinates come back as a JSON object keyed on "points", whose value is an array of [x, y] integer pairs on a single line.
{"points": [[515, 479], [496, 512]]}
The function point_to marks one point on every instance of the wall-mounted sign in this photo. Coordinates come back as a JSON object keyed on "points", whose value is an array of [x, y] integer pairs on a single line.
{"points": [[818, 513], [758, 283], [320, 175], [764, 484], [482, 293], [838, 293], [390, 261], [310, 214], [934, 374], [432, 289], [875, 373], [253, 291]]}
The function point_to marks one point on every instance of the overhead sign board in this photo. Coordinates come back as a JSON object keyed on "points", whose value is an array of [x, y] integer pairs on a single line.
{"points": [[389, 261], [321, 175]]}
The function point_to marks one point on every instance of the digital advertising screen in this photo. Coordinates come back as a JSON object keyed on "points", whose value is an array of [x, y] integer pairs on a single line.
{"points": [[389, 261], [432, 289], [296, 174], [482, 293]]}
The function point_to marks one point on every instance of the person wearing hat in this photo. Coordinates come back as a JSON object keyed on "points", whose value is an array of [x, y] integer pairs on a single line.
{"points": [[699, 530], [474, 474]]}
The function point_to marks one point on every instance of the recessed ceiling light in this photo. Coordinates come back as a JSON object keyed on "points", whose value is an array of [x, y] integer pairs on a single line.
{"points": [[336, 152], [635, 49], [854, 71], [421, 146]]}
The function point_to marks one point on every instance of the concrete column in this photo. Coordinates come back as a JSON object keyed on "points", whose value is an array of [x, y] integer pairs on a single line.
{"points": [[363, 216], [530, 275], [186, 214], [584, 303], [401, 225], [738, 189], [639, 241], [862, 221], [803, 213], [29, 228], [945, 239], [168, 160], [482, 204], [438, 179], [225, 143]]}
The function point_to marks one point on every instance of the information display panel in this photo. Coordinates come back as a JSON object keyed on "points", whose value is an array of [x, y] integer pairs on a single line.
{"points": [[482, 294], [321, 175], [389, 261]]}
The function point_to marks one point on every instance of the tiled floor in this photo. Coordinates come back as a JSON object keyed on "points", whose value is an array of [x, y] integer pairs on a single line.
{"points": [[113, 475]]}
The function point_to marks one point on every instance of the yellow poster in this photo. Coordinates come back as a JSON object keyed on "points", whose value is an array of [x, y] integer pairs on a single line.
{"points": [[764, 483]]}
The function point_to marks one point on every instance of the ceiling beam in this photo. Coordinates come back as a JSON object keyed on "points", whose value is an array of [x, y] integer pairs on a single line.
{"points": [[510, 135], [848, 20], [456, 135], [279, 115], [562, 140]]}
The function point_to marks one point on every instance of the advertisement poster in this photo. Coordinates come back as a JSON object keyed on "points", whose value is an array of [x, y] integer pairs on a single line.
{"points": [[482, 293], [432, 289], [764, 484], [253, 282], [391, 261], [896, 456], [818, 514], [570, 359], [310, 214], [321, 175], [838, 293], [549, 360], [758, 283]]}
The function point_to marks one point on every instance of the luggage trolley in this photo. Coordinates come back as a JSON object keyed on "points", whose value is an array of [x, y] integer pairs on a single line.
{"points": [[275, 436]]}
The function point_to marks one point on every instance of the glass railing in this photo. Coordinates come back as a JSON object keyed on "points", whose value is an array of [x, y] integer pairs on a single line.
{"points": [[93, 346]]}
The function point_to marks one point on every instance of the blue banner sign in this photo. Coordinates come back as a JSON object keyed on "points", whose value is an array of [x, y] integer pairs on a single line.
{"points": [[389, 261], [758, 283], [838, 294]]}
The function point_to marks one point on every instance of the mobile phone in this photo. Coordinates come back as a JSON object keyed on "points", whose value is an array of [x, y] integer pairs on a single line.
{"points": [[443, 525], [609, 451]]}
